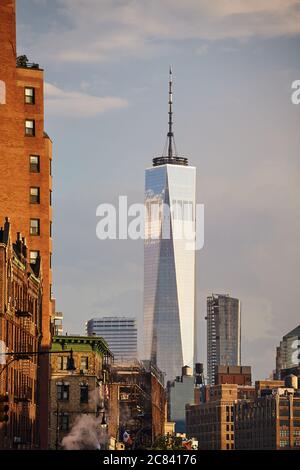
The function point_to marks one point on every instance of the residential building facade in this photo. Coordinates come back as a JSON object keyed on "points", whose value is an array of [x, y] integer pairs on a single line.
{"points": [[21, 287], [223, 333], [137, 403], [271, 421], [82, 391], [26, 170], [212, 421]]}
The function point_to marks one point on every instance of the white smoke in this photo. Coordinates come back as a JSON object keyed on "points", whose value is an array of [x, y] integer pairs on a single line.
{"points": [[86, 432]]}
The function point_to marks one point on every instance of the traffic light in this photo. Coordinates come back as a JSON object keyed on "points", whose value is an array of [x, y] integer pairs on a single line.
{"points": [[4, 408]]}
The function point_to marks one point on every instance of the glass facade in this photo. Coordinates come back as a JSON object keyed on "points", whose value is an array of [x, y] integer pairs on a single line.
{"points": [[169, 267], [223, 333], [120, 333]]}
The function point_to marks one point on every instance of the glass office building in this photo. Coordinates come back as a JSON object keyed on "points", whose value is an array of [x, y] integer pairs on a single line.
{"points": [[120, 333], [169, 259], [169, 267]]}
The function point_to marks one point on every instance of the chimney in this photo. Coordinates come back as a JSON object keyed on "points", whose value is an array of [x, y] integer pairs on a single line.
{"points": [[19, 243], [24, 247]]}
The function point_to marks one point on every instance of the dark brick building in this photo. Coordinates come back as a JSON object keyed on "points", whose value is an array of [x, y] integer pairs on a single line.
{"points": [[20, 331]]}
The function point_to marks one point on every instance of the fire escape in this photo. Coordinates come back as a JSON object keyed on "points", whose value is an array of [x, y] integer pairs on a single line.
{"points": [[23, 380]]}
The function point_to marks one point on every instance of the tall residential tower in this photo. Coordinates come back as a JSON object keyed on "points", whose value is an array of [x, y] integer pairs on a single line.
{"points": [[169, 259], [223, 333]]}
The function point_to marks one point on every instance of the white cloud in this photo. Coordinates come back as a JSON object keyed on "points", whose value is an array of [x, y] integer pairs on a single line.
{"points": [[101, 30], [63, 103]]}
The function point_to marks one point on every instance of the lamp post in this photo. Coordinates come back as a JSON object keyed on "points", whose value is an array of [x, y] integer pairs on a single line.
{"points": [[104, 428], [26, 355]]}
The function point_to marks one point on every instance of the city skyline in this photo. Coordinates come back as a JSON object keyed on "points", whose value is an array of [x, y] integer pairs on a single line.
{"points": [[253, 155], [83, 113]]}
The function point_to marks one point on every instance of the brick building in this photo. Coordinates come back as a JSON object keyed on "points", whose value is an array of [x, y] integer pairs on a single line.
{"points": [[137, 403], [240, 375], [212, 421], [83, 391], [20, 330], [271, 421], [25, 166]]}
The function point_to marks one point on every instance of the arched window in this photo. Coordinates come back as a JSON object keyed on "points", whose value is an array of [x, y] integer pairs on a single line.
{"points": [[2, 92]]}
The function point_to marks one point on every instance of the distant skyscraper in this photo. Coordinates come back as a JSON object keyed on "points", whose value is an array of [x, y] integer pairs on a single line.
{"points": [[120, 333], [288, 352], [169, 264], [223, 333]]}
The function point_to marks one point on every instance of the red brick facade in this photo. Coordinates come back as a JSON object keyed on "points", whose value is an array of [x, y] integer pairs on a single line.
{"points": [[17, 177], [20, 327]]}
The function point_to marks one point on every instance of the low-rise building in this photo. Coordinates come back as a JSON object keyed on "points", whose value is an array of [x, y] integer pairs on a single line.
{"points": [[212, 422], [271, 421], [137, 404], [180, 392], [77, 391]]}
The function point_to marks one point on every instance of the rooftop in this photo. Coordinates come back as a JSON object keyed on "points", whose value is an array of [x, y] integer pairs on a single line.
{"points": [[81, 343]]}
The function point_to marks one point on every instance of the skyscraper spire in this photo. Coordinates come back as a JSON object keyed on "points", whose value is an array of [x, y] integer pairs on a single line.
{"points": [[170, 156], [170, 133]]}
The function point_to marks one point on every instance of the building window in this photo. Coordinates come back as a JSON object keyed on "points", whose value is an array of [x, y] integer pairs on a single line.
{"points": [[50, 197], [33, 256], [62, 362], [84, 363], [50, 228], [34, 195], [50, 167], [283, 443], [63, 392], [29, 95], [84, 393], [34, 163], [30, 127], [50, 260], [2, 92], [34, 226], [64, 421]]}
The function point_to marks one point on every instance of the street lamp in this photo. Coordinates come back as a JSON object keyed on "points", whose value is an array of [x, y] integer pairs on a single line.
{"points": [[70, 362], [103, 423], [26, 355]]}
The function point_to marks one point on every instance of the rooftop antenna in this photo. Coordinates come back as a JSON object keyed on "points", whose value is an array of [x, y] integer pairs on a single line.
{"points": [[170, 133]]}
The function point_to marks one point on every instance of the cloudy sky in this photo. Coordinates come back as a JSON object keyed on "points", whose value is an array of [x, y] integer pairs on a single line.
{"points": [[106, 70]]}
